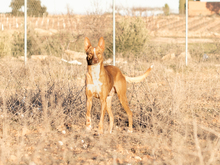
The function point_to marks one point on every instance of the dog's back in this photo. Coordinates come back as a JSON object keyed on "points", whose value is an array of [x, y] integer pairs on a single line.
{"points": [[118, 78]]}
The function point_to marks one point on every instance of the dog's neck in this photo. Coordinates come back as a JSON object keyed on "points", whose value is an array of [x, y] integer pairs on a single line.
{"points": [[95, 71], [95, 67]]}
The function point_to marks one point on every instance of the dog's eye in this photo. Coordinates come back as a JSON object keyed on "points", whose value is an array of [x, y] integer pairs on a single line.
{"points": [[90, 55]]}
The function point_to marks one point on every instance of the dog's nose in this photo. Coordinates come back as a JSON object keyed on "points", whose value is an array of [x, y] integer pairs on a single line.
{"points": [[95, 60]]}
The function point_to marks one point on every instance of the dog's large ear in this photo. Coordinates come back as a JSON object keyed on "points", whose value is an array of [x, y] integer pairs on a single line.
{"points": [[101, 43], [87, 44]]}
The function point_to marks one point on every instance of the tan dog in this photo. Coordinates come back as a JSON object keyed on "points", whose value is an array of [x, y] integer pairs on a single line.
{"points": [[103, 81]]}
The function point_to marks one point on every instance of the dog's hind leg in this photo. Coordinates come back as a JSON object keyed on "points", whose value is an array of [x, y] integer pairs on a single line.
{"points": [[123, 99], [111, 117], [103, 110]]}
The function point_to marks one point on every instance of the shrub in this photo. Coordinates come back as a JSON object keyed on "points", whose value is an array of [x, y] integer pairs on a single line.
{"points": [[55, 44], [39, 45], [4, 44], [131, 35], [33, 43]]}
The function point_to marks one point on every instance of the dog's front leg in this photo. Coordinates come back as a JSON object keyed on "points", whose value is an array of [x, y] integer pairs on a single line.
{"points": [[103, 110], [88, 117]]}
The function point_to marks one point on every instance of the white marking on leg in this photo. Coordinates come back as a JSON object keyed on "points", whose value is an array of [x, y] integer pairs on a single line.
{"points": [[89, 127], [88, 121]]}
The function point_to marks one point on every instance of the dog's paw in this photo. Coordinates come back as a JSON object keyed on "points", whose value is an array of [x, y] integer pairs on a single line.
{"points": [[130, 131], [88, 128], [100, 132]]}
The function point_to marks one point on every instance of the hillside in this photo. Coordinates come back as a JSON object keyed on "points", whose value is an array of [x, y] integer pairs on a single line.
{"points": [[162, 26]]}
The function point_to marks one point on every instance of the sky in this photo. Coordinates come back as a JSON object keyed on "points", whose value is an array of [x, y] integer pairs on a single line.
{"points": [[85, 6]]}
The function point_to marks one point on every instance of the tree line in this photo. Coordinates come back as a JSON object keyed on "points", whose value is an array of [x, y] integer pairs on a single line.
{"points": [[34, 8]]}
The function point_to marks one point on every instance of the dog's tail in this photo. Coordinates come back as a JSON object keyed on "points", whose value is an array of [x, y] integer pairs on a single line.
{"points": [[138, 78]]}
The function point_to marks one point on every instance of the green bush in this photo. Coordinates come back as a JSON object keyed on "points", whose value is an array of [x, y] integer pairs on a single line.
{"points": [[131, 35], [38, 44], [4, 44], [33, 43], [56, 43], [17, 44]]}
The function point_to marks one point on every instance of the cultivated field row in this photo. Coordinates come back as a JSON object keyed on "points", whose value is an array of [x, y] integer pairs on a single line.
{"points": [[200, 26]]}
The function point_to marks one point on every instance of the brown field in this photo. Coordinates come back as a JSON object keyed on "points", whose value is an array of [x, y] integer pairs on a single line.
{"points": [[175, 110]]}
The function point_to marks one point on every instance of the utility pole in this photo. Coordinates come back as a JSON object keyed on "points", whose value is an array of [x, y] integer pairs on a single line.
{"points": [[25, 32]]}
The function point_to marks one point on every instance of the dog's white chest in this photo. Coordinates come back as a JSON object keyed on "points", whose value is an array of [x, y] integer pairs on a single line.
{"points": [[95, 88]]}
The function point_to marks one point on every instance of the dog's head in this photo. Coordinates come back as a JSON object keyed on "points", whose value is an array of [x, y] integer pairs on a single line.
{"points": [[94, 54]]}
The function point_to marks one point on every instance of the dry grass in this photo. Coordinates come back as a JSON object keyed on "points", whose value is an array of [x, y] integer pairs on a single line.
{"points": [[175, 112]]}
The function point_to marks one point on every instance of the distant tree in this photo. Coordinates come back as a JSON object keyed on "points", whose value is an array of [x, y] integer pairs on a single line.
{"points": [[182, 6], [166, 9], [33, 7], [16, 6]]}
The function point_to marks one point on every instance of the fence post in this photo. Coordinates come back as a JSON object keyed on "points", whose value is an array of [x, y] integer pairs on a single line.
{"points": [[25, 32], [114, 32], [186, 30]]}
